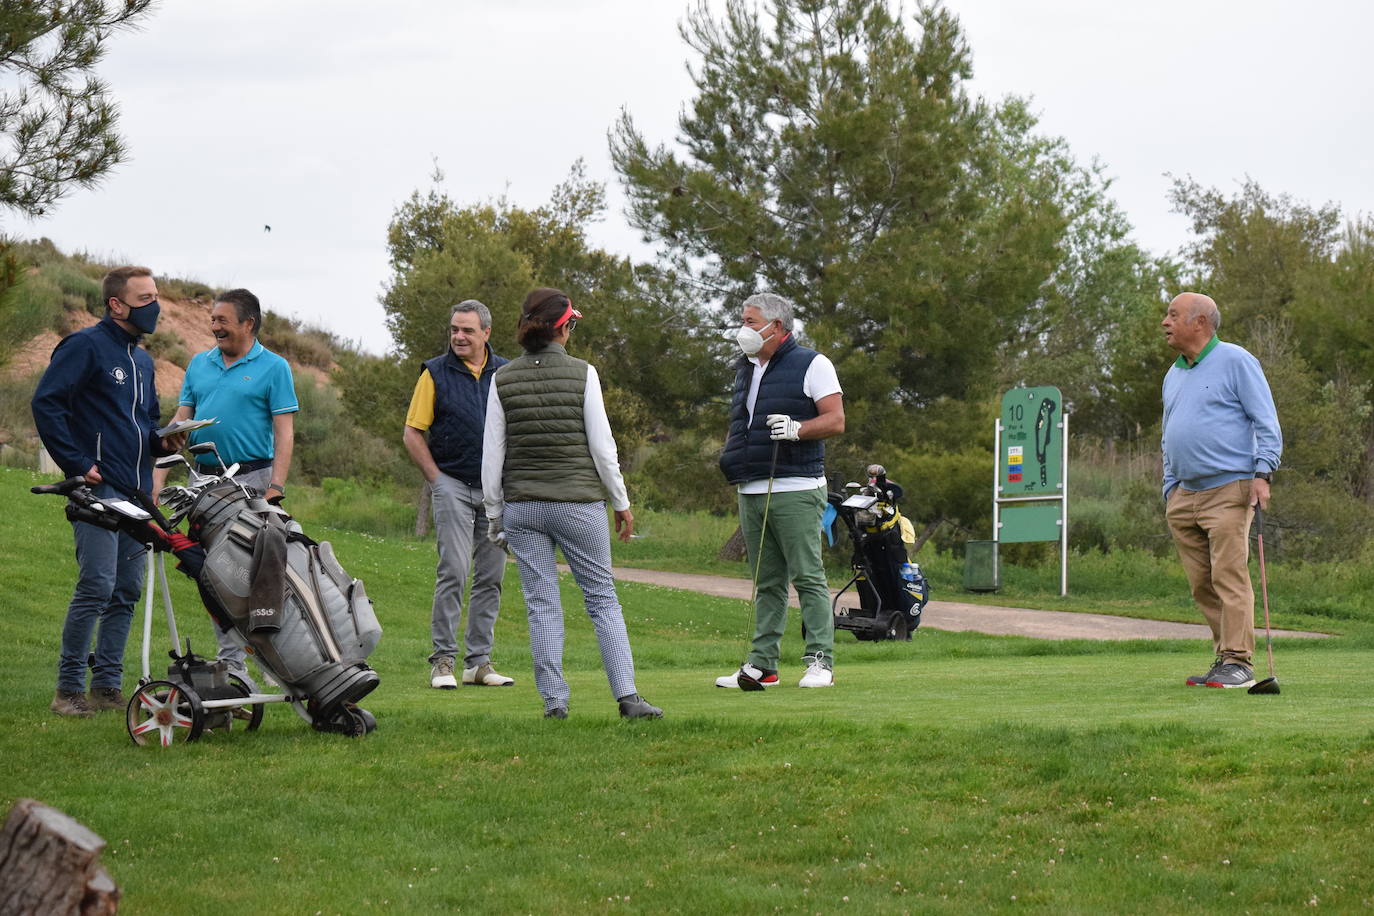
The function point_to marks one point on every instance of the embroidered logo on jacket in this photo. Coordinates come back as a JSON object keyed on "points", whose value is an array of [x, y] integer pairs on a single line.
{"points": [[119, 375]]}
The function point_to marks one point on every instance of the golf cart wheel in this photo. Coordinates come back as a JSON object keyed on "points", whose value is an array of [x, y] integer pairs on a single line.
{"points": [[164, 713], [248, 716], [896, 627], [369, 721], [355, 722], [865, 634]]}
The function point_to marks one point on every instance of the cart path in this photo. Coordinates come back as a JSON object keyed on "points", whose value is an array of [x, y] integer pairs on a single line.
{"points": [[977, 618]]}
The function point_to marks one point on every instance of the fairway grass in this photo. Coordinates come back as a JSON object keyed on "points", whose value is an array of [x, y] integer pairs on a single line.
{"points": [[954, 773]]}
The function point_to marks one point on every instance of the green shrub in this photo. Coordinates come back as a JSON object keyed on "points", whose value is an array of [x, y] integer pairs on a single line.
{"points": [[189, 290], [16, 416], [79, 291], [682, 475], [33, 305], [298, 343], [169, 346], [329, 444]]}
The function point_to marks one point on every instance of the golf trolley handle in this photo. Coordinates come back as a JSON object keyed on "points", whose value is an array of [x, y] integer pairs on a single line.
{"points": [[65, 488]]}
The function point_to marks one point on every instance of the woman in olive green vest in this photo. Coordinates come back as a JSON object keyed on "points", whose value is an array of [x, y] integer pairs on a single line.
{"points": [[548, 464]]}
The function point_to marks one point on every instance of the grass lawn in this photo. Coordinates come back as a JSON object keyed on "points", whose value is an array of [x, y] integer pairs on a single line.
{"points": [[956, 772]]}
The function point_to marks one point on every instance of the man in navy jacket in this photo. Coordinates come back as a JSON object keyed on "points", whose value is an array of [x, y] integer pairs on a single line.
{"points": [[96, 411]]}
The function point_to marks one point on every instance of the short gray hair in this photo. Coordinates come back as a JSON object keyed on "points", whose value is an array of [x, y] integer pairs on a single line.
{"points": [[772, 307], [1207, 308], [472, 305]]}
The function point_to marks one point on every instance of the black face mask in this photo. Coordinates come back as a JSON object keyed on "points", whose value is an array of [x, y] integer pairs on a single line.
{"points": [[144, 317]]}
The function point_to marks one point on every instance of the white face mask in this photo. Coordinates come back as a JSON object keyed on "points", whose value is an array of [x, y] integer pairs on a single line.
{"points": [[751, 341]]}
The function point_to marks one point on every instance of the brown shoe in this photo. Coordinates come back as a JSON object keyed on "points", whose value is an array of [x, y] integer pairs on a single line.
{"points": [[106, 698], [71, 703]]}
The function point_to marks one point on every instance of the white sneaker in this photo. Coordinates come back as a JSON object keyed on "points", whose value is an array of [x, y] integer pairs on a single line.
{"points": [[485, 676], [441, 675], [753, 678], [817, 674]]}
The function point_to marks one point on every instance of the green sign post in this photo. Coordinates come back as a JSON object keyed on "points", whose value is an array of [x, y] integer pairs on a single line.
{"points": [[1030, 496]]}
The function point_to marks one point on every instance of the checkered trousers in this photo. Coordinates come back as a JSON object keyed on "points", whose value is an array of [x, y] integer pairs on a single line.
{"points": [[579, 529]]}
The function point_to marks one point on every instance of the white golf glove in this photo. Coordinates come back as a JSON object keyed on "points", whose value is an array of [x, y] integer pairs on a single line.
{"points": [[495, 533], [784, 427]]}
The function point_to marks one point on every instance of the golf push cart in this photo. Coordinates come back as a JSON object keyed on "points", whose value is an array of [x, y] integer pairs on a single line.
{"points": [[892, 592], [278, 593]]}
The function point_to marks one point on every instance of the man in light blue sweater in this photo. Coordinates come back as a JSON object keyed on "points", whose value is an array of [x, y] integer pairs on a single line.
{"points": [[1221, 444]]}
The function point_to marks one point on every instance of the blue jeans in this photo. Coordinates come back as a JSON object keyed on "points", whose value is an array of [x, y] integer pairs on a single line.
{"points": [[110, 568]]}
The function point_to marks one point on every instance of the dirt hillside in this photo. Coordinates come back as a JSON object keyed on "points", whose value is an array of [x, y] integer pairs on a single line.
{"points": [[188, 319]]}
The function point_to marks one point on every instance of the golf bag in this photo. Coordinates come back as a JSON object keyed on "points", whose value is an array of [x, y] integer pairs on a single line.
{"points": [[892, 591], [282, 595], [306, 620]]}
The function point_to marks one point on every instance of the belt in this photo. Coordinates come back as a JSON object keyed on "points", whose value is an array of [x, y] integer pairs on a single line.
{"points": [[244, 467]]}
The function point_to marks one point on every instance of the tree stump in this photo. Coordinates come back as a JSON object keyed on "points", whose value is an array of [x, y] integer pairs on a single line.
{"points": [[50, 864], [734, 548]]}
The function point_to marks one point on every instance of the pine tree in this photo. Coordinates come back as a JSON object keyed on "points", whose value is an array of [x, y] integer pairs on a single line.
{"points": [[57, 119], [834, 155]]}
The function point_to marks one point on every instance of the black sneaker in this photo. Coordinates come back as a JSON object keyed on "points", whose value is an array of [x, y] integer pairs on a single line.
{"points": [[1232, 674], [1199, 680], [557, 712], [635, 706]]}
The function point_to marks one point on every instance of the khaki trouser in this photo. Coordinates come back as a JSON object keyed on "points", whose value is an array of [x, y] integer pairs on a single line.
{"points": [[1211, 530]]}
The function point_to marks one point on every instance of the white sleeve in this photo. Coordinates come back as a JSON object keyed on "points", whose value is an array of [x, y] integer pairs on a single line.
{"points": [[494, 455], [600, 441], [821, 380]]}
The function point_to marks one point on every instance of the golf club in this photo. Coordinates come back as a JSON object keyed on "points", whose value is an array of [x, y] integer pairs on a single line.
{"points": [[1271, 683], [745, 681], [208, 448]]}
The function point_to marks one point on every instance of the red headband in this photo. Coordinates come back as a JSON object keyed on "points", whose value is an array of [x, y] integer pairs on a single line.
{"points": [[570, 313]]}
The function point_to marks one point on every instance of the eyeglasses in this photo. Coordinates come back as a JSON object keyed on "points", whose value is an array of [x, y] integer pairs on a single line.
{"points": [[572, 323]]}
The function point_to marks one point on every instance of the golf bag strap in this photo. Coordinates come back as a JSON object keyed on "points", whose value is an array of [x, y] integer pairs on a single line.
{"points": [[268, 577]]}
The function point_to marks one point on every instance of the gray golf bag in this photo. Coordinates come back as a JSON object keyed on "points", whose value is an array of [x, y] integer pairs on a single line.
{"points": [[309, 624]]}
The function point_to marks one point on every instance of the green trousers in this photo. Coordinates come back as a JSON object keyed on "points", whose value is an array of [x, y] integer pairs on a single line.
{"points": [[791, 547]]}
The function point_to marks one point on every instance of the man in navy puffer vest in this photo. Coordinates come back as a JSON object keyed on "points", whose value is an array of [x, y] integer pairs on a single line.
{"points": [[450, 406], [787, 400], [96, 410]]}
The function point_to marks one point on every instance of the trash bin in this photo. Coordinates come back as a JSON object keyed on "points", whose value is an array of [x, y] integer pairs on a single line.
{"points": [[981, 571]]}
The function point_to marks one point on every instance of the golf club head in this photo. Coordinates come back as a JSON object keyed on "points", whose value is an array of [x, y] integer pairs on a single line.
{"points": [[747, 683], [1268, 685]]}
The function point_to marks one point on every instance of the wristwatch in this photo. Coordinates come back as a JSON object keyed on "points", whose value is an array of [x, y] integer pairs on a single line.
{"points": [[282, 490], [1266, 476]]}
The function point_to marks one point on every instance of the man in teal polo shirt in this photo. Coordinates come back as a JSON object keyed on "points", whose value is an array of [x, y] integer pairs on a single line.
{"points": [[249, 390]]}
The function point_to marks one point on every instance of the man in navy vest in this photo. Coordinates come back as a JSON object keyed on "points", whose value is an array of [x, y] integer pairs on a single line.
{"points": [[450, 404], [787, 400]]}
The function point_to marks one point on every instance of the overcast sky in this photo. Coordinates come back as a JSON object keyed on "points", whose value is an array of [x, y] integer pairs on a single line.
{"points": [[318, 117]]}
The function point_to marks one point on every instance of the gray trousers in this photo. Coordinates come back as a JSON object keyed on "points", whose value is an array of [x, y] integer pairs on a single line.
{"points": [[460, 524], [535, 528], [230, 651]]}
